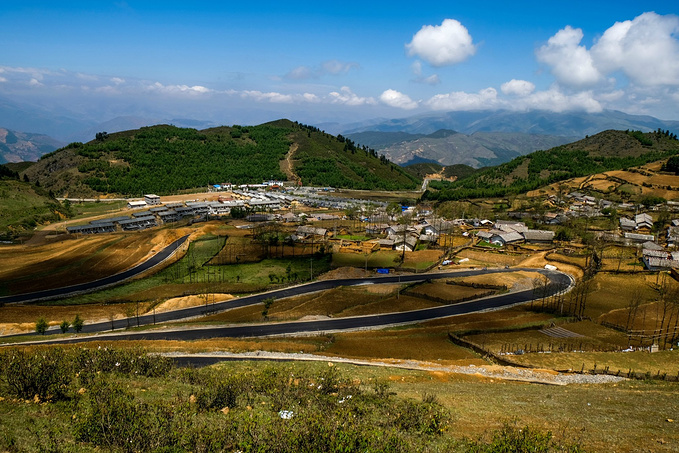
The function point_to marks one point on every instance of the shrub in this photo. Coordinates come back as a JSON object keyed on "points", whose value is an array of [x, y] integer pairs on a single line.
{"points": [[78, 323], [46, 373], [513, 439], [41, 326], [109, 417]]}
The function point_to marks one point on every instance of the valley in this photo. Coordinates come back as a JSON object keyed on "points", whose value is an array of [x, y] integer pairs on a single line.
{"points": [[230, 291]]}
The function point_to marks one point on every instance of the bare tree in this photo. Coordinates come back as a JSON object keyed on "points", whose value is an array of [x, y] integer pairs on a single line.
{"points": [[633, 307]]}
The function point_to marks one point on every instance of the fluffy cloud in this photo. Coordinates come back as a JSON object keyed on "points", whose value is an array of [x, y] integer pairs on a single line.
{"points": [[459, 100], [347, 97], [570, 62], [270, 96], [170, 89], [330, 67], [646, 49], [557, 101], [442, 45], [517, 87], [397, 99]]}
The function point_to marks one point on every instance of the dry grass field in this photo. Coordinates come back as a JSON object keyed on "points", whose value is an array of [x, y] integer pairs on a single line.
{"points": [[15, 319], [490, 258], [71, 261], [447, 292], [411, 343]]}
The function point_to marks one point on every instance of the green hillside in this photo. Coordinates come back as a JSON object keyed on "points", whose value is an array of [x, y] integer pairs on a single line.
{"points": [[459, 171], [23, 206], [167, 159], [608, 150], [325, 160], [422, 169]]}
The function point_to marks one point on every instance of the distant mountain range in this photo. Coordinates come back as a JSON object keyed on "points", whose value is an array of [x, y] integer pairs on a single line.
{"points": [[491, 137], [22, 146], [446, 147], [568, 124], [477, 138]]}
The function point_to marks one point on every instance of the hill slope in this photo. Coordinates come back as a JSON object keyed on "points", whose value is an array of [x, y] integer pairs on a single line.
{"points": [[23, 205], [167, 159], [609, 150]]}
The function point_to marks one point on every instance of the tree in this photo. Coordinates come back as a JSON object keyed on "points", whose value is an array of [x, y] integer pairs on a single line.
{"points": [[78, 323], [41, 326], [64, 326], [672, 165], [267, 304]]}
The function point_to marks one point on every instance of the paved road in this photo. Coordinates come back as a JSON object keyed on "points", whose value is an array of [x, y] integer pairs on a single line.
{"points": [[57, 293], [558, 281]]}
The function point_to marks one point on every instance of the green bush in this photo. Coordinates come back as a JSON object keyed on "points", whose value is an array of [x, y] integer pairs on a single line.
{"points": [[46, 374], [513, 439], [110, 417]]}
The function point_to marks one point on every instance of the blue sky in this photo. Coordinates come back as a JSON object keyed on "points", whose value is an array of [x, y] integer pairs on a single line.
{"points": [[248, 62]]}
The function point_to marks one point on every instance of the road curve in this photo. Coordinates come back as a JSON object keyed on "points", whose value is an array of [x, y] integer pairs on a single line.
{"points": [[98, 284], [558, 281]]}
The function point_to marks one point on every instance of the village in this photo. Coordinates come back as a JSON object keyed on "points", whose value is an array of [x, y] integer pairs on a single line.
{"points": [[318, 215]]}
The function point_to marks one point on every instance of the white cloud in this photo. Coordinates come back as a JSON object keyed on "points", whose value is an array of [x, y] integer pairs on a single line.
{"points": [[570, 63], [416, 67], [117, 80], [2, 79], [270, 96], [329, 67], [394, 98], [431, 80], [338, 67], [556, 101], [347, 97], [518, 87], [442, 45], [459, 100], [300, 73], [646, 49], [35, 83], [170, 89]]}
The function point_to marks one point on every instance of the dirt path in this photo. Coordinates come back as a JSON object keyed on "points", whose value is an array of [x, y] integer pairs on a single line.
{"points": [[536, 376], [286, 164]]}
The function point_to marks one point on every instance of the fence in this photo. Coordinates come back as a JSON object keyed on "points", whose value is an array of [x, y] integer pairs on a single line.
{"points": [[507, 361]]}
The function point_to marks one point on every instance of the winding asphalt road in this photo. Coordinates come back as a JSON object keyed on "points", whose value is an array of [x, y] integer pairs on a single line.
{"points": [[96, 285], [558, 281]]}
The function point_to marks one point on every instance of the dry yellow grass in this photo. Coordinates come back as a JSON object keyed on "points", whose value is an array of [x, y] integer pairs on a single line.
{"points": [[21, 318], [71, 261], [480, 257], [520, 279], [405, 344], [445, 291], [177, 303]]}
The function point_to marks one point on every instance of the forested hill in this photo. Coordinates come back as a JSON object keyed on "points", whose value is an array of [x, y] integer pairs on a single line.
{"points": [[167, 159], [608, 150]]}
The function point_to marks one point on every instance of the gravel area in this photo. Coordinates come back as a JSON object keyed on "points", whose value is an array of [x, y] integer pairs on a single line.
{"points": [[536, 376]]}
